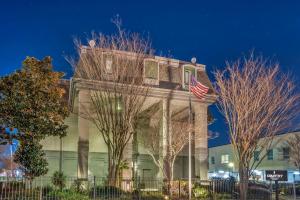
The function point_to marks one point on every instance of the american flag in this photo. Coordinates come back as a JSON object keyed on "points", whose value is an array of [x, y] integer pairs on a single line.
{"points": [[198, 89]]}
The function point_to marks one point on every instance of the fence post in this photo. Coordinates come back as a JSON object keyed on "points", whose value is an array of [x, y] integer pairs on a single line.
{"points": [[41, 191], [294, 188], [276, 190], [213, 189], [94, 188], [179, 188], [139, 187]]}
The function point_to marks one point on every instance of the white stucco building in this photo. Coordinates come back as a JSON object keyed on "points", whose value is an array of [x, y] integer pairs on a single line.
{"points": [[84, 153]]}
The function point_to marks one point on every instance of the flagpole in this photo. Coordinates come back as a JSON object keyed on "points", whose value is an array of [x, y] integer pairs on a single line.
{"points": [[190, 145]]}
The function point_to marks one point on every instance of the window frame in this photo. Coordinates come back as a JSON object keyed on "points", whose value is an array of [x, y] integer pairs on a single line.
{"points": [[184, 84], [256, 156], [212, 160], [225, 161], [105, 55], [269, 157], [148, 80], [285, 156]]}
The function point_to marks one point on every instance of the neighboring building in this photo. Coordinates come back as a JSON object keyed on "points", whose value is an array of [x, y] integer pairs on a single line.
{"points": [[84, 152], [222, 162]]}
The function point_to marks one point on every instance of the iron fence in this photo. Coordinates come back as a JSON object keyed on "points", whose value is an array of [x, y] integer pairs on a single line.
{"points": [[96, 188]]}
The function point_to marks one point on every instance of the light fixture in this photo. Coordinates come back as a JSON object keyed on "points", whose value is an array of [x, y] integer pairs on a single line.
{"points": [[119, 107], [92, 43], [231, 164], [194, 60]]}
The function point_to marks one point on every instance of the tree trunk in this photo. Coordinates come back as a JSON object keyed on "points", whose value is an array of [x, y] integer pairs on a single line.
{"points": [[244, 179], [113, 169]]}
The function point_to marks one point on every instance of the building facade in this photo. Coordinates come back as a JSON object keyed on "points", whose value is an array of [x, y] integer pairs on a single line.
{"points": [[83, 152], [223, 164]]}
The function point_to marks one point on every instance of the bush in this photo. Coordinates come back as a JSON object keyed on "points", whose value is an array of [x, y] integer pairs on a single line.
{"points": [[59, 180], [200, 192], [222, 196], [67, 195], [46, 190], [107, 191], [80, 186], [152, 196]]}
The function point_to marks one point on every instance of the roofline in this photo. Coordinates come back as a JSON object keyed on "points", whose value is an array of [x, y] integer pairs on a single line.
{"points": [[78, 83], [163, 60], [291, 132]]}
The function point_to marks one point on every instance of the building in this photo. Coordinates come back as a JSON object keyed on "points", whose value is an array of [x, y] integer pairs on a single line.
{"points": [[84, 152], [223, 164]]}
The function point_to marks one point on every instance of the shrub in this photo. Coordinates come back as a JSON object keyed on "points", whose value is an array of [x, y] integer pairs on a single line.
{"points": [[152, 196], [67, 195], [107, 191], [80, 186], [46, 190], [222, 196], [59, 180], [200, 192]]}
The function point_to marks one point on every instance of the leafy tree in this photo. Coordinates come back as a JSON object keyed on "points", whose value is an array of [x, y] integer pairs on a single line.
{"points": [[32, 159], [31, 100]]}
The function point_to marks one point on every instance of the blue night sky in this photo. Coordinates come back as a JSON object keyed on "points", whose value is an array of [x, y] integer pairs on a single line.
{"points": [[212, 31]]}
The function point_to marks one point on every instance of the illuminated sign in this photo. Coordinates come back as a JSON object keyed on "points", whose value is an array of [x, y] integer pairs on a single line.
{"points": [[276, 175]]}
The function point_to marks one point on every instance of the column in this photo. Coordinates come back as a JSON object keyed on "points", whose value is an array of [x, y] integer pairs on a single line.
{"points": [[165, 138], [83, 134], [201, 140]]}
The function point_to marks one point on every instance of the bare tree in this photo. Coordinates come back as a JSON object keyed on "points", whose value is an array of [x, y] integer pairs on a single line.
{"points": [[178, 139], [114, 63], [257, 102], [294, 150]]}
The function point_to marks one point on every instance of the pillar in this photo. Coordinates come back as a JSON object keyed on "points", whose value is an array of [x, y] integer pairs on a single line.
{"points": [[165, 138], [83, 134], [201, 141]]}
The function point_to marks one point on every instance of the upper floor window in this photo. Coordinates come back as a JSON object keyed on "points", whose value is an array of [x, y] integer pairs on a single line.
{"points": [[225, 159], [151, 69], [187, 72], [108, 61], [270, 154], [256, 156], [286, 153], [212, 160]]}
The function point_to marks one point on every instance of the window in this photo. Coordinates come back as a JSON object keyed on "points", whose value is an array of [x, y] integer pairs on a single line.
{"points": [[256, 156], [225, 159], [286, 153], [212, 160], [186, 77], [151, 69], [270, 154], [108, 63], [108, 66], [187, 72]]}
